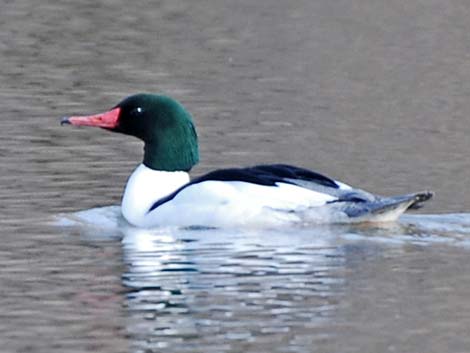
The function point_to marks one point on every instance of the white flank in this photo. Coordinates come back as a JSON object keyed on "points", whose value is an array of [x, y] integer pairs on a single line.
{"points": [[212, 203], [236, 203], [229, 203]]}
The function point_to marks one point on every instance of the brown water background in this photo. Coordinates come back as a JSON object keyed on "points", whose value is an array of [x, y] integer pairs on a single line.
{"points": [[373, 93]]}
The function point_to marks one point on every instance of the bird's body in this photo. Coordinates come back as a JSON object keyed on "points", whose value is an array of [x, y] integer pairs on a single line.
{"points": [[160, 192]]}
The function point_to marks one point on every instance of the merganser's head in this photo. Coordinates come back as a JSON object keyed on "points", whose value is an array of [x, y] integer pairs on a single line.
{"points": [[161, 122]]}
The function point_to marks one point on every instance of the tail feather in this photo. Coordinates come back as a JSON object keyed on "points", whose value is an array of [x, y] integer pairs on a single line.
{"points": [[386, 208], [409, 201], [420, 198]]}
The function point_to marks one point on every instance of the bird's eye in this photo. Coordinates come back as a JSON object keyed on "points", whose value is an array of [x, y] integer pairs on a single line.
{"points": [[136, 111]]}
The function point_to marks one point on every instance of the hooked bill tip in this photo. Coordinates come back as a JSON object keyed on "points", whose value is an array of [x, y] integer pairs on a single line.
{"points": [[65, 121]]}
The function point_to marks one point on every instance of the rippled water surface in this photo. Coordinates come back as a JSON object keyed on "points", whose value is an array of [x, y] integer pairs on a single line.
{"points": [[374, 93]]}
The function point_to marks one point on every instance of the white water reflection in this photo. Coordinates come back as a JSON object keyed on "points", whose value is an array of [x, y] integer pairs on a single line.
{"points": [[218, 289], [221, 289]]}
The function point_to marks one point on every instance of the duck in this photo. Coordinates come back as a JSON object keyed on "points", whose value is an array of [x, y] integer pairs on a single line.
{"points": [[160, 191]]}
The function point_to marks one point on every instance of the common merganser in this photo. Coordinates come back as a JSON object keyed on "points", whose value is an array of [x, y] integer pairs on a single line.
{"points": [[160, 193]]}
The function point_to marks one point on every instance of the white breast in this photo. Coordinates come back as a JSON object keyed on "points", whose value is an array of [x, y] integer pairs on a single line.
{"points": [[146, 186]]}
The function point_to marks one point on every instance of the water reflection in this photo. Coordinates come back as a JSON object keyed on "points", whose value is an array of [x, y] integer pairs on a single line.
{"points": [[223, 288], [280, 290]]}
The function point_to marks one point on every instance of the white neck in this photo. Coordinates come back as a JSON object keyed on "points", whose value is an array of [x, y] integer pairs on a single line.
{"points": [[145, 187]]}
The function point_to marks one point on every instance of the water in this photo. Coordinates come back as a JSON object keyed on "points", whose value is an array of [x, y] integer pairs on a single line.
{"points": [[371, 93]]}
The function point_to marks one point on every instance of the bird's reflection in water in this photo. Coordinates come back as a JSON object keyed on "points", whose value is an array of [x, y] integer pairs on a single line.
{"points": [[219, 288], [285, 288]]}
